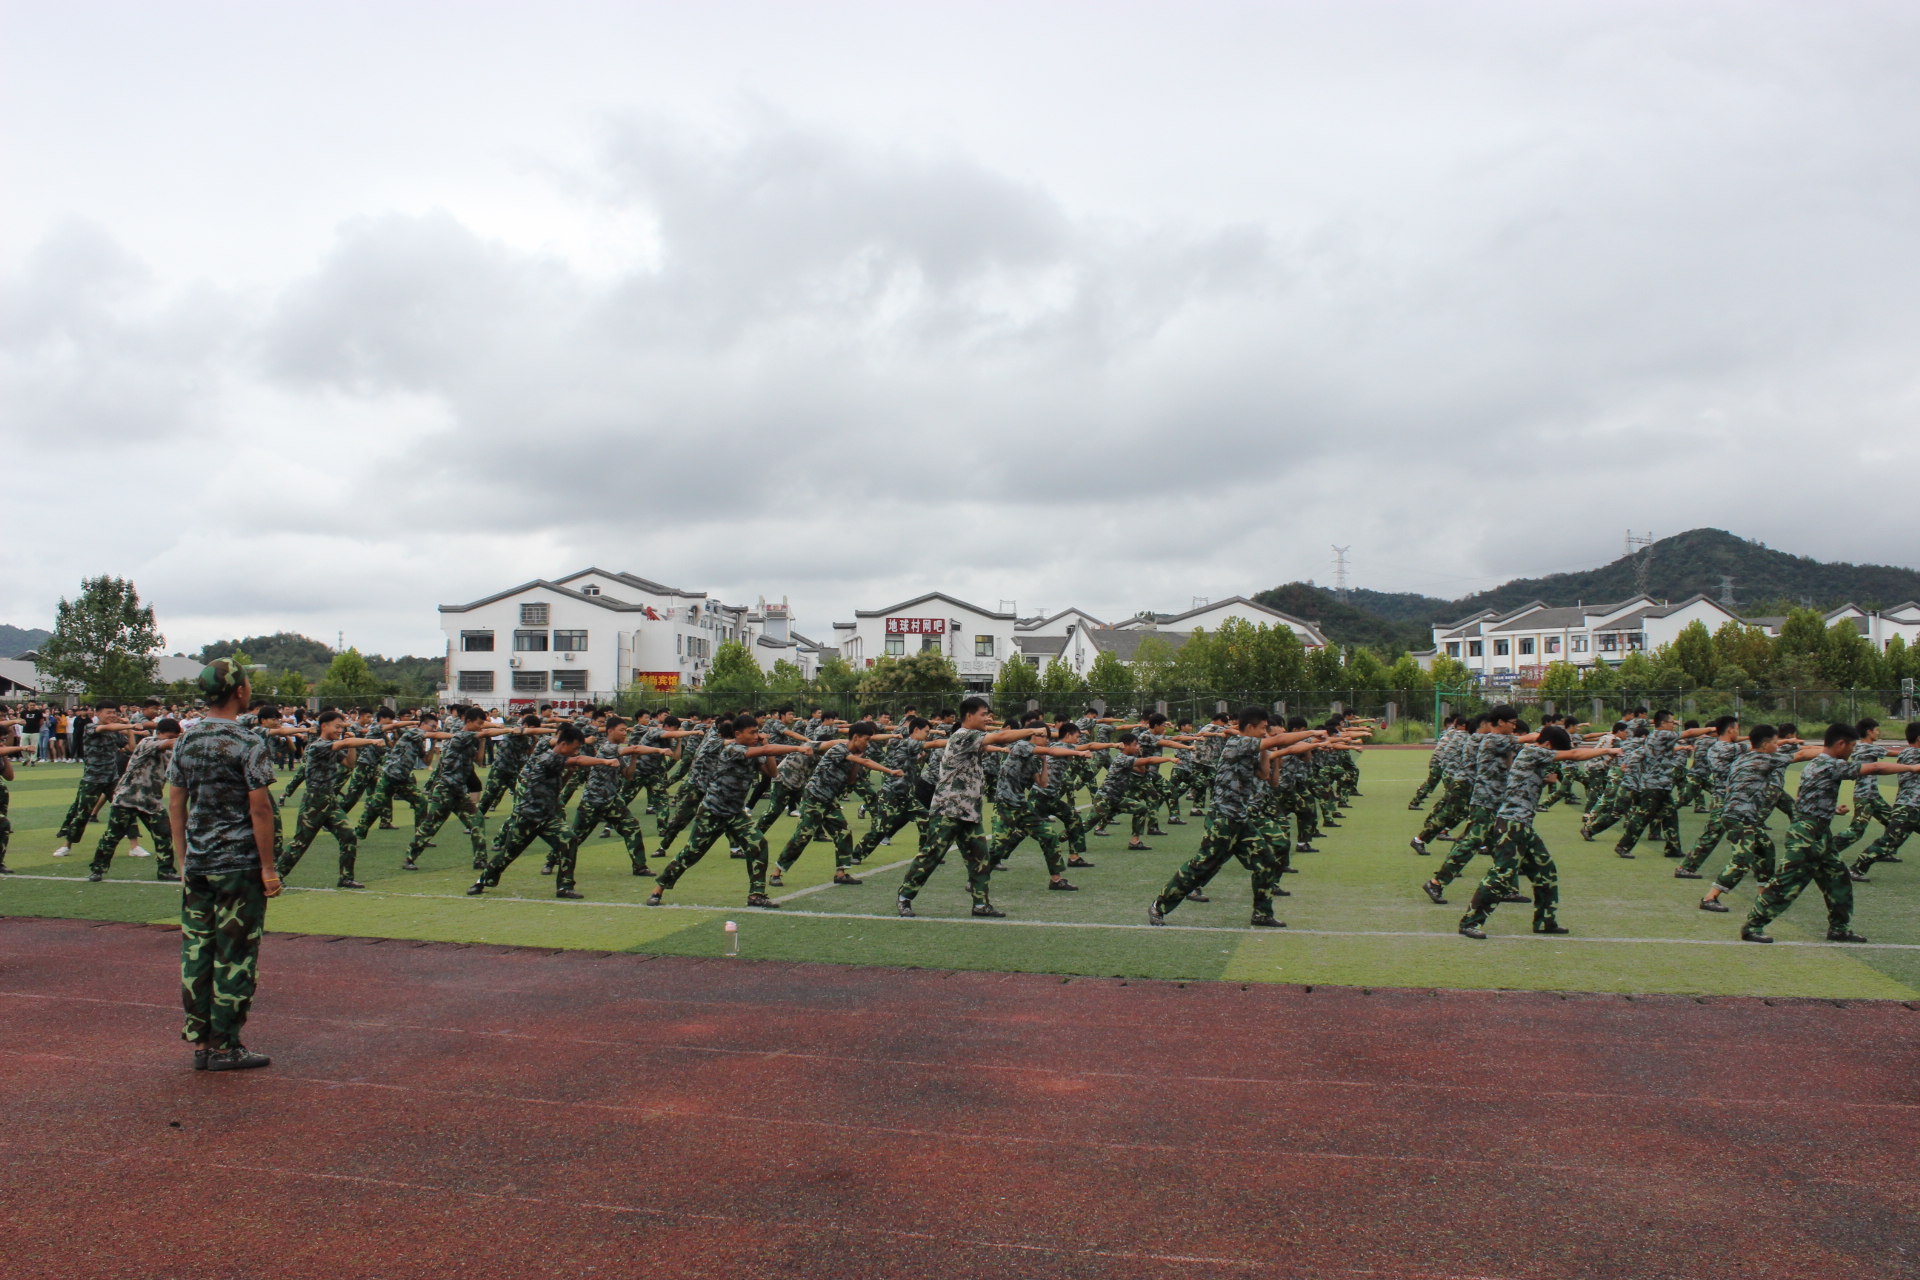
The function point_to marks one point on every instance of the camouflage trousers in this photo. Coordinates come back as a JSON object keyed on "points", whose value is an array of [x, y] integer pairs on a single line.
{"points": [[1603, 793], [1227, 838], [1652, 813], [499, 783], [318, 815], [896, 811], [1902, 822], [80, 812], [1475, 839], [1752, 851], [124, 824], [293, 783], [1449, 811], [969, 837], [781, 798], [819, 818], [522, 830], [1869, 806], [380, 802], [445, 801], [614, 815], [1616, 803], [1562, 789], [1810, 859], [1137, 802], [653, 782], [221, 920], [1015, 821], [360, 784], [709, 826], [1434, 774], [1716, 831], [1059, 806], [6, 830], [1298, 802], [1518, 851], [685, 809]]}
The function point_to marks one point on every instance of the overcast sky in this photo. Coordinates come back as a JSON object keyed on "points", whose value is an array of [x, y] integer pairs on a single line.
{"points": [[313, 317]]}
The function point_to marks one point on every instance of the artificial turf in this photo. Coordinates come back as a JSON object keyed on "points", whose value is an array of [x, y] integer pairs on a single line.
{"points": [[1356, 916]]}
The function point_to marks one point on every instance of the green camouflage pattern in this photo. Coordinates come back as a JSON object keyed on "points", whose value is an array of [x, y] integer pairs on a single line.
{"points": [[221, 920]]}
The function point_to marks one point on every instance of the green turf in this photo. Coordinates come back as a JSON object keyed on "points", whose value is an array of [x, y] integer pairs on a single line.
{"points": [[1356, 917]]}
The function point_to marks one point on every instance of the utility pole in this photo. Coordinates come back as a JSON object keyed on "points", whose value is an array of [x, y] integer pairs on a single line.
{"points": [[1340, 571], [1644, 562]]}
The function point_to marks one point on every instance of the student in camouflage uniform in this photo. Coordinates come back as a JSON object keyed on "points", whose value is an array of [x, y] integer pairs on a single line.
{"points": [[820, 812], [406, 754], [1518, 849], [537, 812], [1016, 816], [1493, 755], [1053, 792], [600, 801], [899, 795], [957, 810], [1232, 822], [1751, 780], [104, 755], [327, 758], [447, 794], [367, 761], [510, 756], [1437, 762], [1125, 789], [1717, 754], [1902, 820], [1624, 788], [1456, 796], [723, 812], [220, 806], [790, 780], [140, 800], [1869, 805], [649, 770], [1652, 806], [1778, 800], [688, 799], [1810, 857], [6, 825]]}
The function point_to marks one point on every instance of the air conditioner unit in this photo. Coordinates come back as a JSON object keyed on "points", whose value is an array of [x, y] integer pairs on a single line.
{"points": [[516, 662], [566, 657]]}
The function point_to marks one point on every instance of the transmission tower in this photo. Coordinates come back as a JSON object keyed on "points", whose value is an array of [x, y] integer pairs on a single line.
{"points": [[1340, 571], [1644, 559], [1726, 592]]}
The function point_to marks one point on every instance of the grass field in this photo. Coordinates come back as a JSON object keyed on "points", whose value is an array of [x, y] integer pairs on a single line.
{"points": [[1356, 916]]}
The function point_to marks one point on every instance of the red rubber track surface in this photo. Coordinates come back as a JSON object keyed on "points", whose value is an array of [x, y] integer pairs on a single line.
{"points": [[438, 1110]]}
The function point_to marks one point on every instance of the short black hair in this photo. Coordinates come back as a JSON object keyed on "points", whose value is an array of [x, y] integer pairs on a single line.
{"points": [[1867, 725], [1787, 729], [1913, 731], [915, 723], [1502, 712], [1837, 733], [469, 714], [671, 722], [724, 728], [167, 724], [1619, 726], [1643, 731], [384, 713], [531, 720], [614, 722], [1762, 733], [1724, 723], [743, 722], [1125, 738], [568, 733], [327, 717], [970, 705], [1556, 737], [862, 729], [1252, 714]]}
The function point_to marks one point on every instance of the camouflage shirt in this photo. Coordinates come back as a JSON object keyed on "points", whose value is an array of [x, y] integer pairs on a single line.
{"points": [[370, 758], [1459, 766], [1819, 793], [962, 775], [511, 751], [1720, 757], [1525, 779], [1121, 771], [143, 785], [903, 754], [729, 779], [700, 772], [407, 754], [1212, 739], [795, 768], [457, 755], [1019, 770], [103, 754], [1295, 772], [1235, 775], [323, 761], [1750, 783], [1867, 753], [1493, 757], [1657, 761], [218, 763], [603, 784], [832, 774], [1633, 753], [536, 794], [1907, 794], [654, 735]]}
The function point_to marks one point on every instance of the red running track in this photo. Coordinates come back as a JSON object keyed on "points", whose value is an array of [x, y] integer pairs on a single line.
{"points": [[439, 1110]]}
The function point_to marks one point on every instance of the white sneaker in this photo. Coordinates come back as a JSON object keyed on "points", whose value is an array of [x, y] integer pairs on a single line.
{"points": [[135, 851], [61, 852], [886, 840]]}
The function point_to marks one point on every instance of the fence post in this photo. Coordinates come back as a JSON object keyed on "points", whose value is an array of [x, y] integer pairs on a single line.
{"points": [[1393, 709], [1338, 707], [388, 702], [1099, 706], [1221, 706], [313, 704], [1547, 706], [1596, 712], [1161, 706], [1033, 704]]}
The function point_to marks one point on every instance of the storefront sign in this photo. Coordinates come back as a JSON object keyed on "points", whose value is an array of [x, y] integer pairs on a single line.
{"points": [[916, 626]]}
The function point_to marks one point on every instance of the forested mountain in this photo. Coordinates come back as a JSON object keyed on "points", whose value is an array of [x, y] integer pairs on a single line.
{"points": [[15, 641], [286, 651]]}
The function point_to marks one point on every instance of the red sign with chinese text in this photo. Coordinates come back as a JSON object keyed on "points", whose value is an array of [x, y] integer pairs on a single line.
{"points": [[916, 626]]}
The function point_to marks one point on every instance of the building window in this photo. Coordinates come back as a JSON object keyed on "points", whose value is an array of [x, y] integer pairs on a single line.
{"points": [[1553, 644], [1636, 639], [533, 615], [529, 642], [1453, 648], [1579, 644], [589, 591], [570, 641], [896, 646], [569, 682], [1499, 648], [1609, 642], [529, 682], [476, 682], [983, 646], [929, 644], [1526, 644], [1475, 648], [476, 642]]}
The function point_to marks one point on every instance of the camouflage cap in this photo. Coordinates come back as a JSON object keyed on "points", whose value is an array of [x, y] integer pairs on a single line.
{"points": [[220, 679]]}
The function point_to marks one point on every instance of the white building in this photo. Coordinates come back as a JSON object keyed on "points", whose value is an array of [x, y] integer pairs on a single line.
{"points": [[1523, 642], [976, 639], [593, 633]]}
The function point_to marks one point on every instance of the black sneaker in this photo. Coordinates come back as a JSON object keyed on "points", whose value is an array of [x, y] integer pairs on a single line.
{"points": [[987, 911], [905, 906], [95, 877], [1197, 896], [653, 899], [1078, 862], [1753, 935], [1671, 854], [1472, 931], [1155, 916], [1855, 876], [165, 877], [200, 1059], [762, 900], [773, 878], [573, 894], [1062, 886], [348, 882], [1513, 897], [477, 888], [1551, 928], [1266, 922], [1435, 891], [1137, 847], [1714, 905], [238, 1058], [1304, 848], [1153, 829], [1176, 822], [1419, 846], [844, 878], [1681, 873], [1843, 935], [409, 864], [1623, 854]]}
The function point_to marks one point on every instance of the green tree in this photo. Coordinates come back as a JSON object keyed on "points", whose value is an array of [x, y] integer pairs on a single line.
{"points": [[1058, 677], [1365, 671], [786, 677], [1804, 633], [1451, 673], [1745, 649], [734, 670], [1848, 659], [835, 675], [104, 641], [291, 686], [348, 676], [928, 671], [1634, 676], [1018, 678], [1561, 682], [1109, 676], [1667, 671], [1901, 662], [1325, 670], [1154, 665], [1695, 653]]}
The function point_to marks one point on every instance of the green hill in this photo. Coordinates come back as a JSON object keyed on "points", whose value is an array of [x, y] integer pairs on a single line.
{"points": [[286, 651], [15, 641], [1346, 623]]}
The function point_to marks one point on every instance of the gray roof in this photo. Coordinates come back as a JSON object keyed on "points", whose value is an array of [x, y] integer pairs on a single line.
{"points": [[1125, 644], [604, 602], [1030, 623], [1311, 629], [1571, 617], [635, 580], [1048, 645], [934, 595]]}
